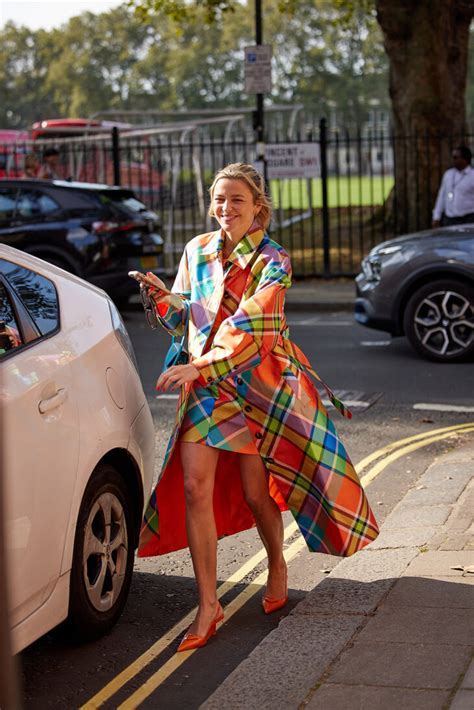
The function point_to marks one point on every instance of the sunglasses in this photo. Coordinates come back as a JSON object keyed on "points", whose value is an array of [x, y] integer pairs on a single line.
{"points": [[150, 314]]}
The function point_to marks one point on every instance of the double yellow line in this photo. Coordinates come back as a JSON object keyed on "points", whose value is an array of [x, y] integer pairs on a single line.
{"points": [[381, 459]]}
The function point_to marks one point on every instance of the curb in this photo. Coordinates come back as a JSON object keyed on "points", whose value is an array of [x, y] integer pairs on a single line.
{"points": [[291, 666]]}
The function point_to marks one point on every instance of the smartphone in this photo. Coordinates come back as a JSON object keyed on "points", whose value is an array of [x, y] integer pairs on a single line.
{"points": [[138, 276]]}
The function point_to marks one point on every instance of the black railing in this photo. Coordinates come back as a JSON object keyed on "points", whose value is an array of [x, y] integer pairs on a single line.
{"points": [[371, 185]]}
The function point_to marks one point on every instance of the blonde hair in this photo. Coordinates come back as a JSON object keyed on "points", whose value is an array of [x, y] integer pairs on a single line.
{"points": [[253, 180]]}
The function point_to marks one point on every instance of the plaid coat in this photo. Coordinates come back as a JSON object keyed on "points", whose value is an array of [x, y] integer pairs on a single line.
{"points": [[249, 351]]}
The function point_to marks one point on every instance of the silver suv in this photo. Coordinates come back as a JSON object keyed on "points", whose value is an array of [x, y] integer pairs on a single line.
{"points": [[422, 286]]}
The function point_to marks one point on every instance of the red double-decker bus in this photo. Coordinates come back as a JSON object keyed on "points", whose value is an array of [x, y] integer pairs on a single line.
{"points": [[13, 149], [86, 153]]}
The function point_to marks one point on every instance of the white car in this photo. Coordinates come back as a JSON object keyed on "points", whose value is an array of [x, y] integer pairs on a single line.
{"points": [[78, 450]]}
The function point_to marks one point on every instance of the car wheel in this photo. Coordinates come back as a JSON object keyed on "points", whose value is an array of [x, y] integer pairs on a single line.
{"points": [[103, 555], [439, 321]]}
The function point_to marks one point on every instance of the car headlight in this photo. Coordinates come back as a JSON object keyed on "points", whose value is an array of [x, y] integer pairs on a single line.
{"points": [[372, 268], [372, 265]]}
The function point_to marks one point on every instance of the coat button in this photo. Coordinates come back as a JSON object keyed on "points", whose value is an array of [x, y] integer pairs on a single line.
{"points": [[209, 379], [227, 265], [226, 294], [258, 435], [269, 460], [240, 381], [248, 408]]}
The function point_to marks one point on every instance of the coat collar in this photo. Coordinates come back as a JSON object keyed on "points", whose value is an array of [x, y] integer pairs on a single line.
{"points": [[245, 249]]}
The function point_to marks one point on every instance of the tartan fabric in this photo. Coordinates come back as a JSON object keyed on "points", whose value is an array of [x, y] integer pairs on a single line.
{"points": [[252, 374]]}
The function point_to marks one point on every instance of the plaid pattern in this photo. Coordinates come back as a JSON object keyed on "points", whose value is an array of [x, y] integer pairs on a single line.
{"points": [[253, 394]]}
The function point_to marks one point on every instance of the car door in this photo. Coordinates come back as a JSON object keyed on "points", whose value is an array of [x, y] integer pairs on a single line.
{"points": [[40, 435]]}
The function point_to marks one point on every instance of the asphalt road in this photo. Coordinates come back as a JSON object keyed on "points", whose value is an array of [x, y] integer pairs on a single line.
{"points": [[384, 381]]}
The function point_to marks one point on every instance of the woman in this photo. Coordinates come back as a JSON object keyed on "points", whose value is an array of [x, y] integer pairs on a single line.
{"points": [[252, 437]]}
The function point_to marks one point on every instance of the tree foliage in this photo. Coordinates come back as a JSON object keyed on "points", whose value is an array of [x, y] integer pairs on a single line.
{"points": [[119, 60]]}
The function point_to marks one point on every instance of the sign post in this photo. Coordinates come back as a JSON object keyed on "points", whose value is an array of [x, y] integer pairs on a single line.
{"points": [[258, 78]]}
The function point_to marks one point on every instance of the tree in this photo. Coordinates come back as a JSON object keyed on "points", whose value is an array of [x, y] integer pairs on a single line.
{"points": [[426, 43]]}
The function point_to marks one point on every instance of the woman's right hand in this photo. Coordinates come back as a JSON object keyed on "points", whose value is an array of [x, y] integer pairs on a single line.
{"points": [[152, 281]]}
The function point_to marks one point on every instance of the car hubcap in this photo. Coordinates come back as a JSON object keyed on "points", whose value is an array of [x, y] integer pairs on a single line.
{"points": [[105, 551], [444, 323]]}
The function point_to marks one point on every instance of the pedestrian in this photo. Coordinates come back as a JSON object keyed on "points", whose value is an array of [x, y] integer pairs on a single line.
{"points": [[455, 200], [251, 437], [31, 166], [50, 169]]}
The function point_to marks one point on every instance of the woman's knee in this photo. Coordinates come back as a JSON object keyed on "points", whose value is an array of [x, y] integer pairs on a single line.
{"points": [[198, 489], [256, 499]]}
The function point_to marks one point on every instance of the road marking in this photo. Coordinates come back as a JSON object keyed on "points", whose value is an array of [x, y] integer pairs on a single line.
{"points": [[164, 641], [442, 407], [167, 396], [375, 343], [152, 683], [373, 472], [402, 442], [395, 450]]}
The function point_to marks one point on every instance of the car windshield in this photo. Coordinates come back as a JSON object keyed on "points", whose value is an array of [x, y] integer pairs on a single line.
{"points": [[124, 200]]}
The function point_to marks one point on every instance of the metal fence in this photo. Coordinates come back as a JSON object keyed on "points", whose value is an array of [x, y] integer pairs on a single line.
{"points": [[327, 223]]}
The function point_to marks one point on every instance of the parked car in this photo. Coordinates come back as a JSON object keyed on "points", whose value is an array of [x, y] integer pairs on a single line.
{"points": [[422, 285], [97, 232], [77, 450]]}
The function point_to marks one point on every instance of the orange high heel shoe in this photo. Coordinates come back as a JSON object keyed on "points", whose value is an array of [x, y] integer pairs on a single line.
{"points": [[191, 641], [270, 604]]}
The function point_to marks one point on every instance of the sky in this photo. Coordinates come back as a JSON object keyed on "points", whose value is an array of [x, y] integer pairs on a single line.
{"points": [[46, 14]]}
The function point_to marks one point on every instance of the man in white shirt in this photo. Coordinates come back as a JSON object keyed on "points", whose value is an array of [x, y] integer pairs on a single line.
{"points": [[455, 201]]}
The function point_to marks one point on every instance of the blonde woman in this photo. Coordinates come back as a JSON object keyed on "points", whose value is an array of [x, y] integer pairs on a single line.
{"points": [[252, 437]]}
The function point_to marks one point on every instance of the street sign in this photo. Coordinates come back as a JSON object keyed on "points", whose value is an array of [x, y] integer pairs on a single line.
{"points": [[258, 69], [292, 160]]}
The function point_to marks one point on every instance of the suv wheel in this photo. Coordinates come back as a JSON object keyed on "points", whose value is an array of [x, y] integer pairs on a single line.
{"points": [[439, 321], [103, 555]]}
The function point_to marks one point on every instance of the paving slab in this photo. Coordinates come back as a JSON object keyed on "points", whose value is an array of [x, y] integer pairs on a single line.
{"points": [[452, 592], [419, 516], [404, 665], [463, 700], [372, 565], [344, 596], [446, 471], [406, 537], [468, 680], [306, 645], [418, 625], [435, 494], [362, 697], [436, 563]]}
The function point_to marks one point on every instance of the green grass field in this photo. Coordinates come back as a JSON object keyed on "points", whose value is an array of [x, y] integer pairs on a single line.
{"points": [[342, 192]]}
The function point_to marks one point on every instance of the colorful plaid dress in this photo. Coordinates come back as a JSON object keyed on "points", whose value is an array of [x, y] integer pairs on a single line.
{"points": [[253, 396]]}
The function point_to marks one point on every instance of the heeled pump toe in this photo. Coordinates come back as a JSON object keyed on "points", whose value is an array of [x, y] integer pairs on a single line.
{"points": [[270, 604], [191, 641]]}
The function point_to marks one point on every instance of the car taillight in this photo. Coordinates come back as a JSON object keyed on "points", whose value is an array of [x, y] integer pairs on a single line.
{"points": [[122, 333], [106, 226]]}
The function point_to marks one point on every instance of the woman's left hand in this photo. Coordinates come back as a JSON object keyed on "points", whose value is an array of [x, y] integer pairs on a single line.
{"points": [[176, 376]]}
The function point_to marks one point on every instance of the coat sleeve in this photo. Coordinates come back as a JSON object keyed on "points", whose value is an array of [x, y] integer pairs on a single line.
{"points": [[244, 339], [171, 308]]}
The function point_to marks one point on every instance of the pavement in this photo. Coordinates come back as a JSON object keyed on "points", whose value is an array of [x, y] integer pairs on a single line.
{"points": [[318, 295], [390, 627], [321, 295]]}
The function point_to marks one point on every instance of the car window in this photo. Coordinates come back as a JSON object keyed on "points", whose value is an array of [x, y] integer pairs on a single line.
{"points": [[32, 203], [124, 200], [9, 332], [37, 293], [7, 203]]}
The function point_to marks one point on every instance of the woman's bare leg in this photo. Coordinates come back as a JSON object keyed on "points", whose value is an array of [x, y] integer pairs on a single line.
{"points": [[199, 467], [269, 521]]}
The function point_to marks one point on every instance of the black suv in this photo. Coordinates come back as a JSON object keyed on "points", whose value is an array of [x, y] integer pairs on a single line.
{"points": [[94, 231]]}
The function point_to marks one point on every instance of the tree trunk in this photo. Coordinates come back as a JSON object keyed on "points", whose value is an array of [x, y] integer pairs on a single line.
{"points": [[426, 42]]}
